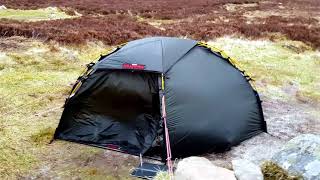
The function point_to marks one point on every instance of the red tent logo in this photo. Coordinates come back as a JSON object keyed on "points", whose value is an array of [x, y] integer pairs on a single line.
{"points": [[133, 66]]}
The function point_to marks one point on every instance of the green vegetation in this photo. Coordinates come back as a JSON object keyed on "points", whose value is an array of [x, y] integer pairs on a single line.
{"points": [[162, 176], [281, 69], [43, 136], [35, 79], [271, 171], [49, 13]]}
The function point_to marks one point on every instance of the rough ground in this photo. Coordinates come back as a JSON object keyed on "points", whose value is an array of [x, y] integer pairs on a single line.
{"points": [[285, 121], [37, 72]]}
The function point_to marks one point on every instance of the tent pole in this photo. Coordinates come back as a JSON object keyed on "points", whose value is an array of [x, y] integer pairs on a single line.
{"points": [[167, 138]]}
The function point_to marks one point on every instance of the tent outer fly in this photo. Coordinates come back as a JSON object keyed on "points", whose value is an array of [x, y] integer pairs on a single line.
{"points": [[210, 104]]}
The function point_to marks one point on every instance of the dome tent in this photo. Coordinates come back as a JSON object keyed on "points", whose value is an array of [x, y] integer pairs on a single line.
{"points": [[116, 104]]}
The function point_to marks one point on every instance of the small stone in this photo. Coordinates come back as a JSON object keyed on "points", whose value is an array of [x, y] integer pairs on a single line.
{"points": [[2, 7], [246, 170], [6, 60], [199, 168]]}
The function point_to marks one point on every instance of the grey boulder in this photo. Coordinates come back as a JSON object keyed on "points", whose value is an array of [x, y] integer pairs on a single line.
{"points": [[2, 7], [301, 156], [199, 168]]}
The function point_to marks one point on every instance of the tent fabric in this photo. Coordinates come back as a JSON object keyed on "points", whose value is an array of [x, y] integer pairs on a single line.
{"points": [[223, 112], [161, 53], [210, 104], [119, 109]]}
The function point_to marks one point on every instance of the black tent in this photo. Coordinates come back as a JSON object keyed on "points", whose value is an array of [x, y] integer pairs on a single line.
{"points": [[116, 103]]}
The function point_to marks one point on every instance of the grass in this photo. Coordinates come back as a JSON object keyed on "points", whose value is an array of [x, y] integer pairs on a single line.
{"points": [[50, 13], [277, 66], [36, 77], [44, 136], [162, 176], [35, 83]]}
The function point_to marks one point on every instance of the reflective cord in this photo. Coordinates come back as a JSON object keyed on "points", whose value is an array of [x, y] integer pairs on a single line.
{"points": [[141, 161], [164, 116]]}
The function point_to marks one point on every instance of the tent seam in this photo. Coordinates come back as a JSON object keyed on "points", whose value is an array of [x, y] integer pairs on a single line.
{"points": [[180, 58]]}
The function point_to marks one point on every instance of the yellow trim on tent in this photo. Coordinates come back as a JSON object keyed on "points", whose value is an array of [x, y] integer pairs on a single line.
{"points": [[88, 70], [162, 82], [229, 59], [76, 89], [232, 61]]}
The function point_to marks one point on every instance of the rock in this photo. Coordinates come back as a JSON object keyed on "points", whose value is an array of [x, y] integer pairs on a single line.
{"points": [[52, 9], [6, 60], [199, 168], [69, 54], [2, 7], [246, 170], [301, 156]]}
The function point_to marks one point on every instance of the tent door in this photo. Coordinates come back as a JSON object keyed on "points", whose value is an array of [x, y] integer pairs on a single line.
{"points": [[121, 109]]}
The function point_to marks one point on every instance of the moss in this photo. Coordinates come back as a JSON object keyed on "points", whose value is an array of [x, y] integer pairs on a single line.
{"points": [[50, 13], [272, 171]]}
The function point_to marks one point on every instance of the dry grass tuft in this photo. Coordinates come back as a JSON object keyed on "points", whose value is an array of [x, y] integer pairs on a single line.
{"points": [[44, 136]]}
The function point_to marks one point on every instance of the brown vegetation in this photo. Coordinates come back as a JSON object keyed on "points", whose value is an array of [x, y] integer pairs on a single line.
{"points": [[165, 9], [209, 27], [118, 21], [114, 22], [113, 29]]}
